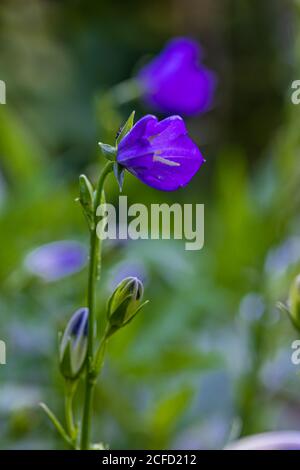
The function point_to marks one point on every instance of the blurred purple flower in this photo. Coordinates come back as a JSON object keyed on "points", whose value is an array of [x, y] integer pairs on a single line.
{"points": [[281, 440], [56, 260], [176, 82], [160, 154]]}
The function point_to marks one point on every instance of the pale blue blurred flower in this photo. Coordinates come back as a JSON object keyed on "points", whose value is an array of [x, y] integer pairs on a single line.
{"points": [[281, 258], [252, 307], [281, 440], [56, 260]]}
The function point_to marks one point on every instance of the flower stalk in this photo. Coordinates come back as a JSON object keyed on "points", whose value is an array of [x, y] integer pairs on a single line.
{"points": [[71, 387], [94, 273]]}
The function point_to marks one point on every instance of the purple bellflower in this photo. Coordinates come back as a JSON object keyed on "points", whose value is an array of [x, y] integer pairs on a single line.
{"points": [[160, 154], [176, 82]]}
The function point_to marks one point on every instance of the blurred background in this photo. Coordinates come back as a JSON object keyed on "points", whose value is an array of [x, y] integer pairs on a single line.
{"points": [[209, 359]]}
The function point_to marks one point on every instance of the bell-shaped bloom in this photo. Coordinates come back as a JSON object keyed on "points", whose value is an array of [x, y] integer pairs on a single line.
{"points": [[176, 82], [281, 440], [73, 346], [56, 260], [160, 154]]}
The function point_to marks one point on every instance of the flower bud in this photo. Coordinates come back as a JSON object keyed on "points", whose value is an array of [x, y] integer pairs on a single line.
{"points": [[124, 303], [73, 346], [294, 302]]}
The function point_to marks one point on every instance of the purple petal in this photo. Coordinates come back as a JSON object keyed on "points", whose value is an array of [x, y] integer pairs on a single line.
{"points": [[138, 131], [79, 322]]}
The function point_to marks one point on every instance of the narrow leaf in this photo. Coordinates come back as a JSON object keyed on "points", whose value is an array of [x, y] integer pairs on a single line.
{"points": [[59, 427]]}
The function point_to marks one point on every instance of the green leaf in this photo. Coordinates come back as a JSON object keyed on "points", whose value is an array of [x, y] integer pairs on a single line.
{"points": [[126, 128], [59, 427], [108, 151]]}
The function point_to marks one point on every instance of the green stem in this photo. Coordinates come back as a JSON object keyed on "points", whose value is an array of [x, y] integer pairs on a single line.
{"points": [[99, 356], [95, 258], [70, 390], [125, 91], [252, 385]]}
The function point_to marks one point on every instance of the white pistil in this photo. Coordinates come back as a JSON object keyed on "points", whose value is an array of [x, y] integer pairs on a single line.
{"points": [[158, 158]]}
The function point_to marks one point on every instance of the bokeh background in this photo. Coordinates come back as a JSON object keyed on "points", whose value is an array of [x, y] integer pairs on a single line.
{"points": [[209, 359]]}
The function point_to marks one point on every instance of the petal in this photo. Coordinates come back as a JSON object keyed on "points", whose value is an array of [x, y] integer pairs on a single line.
{"points": [[167, 130], [163, 176], [138, 131]]}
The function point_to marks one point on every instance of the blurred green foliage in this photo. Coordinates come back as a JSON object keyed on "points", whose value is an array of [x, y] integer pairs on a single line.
{"points": [[211, 349]]}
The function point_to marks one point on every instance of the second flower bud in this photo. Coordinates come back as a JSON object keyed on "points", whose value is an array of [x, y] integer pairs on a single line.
{"points": [[73, 345], [124, 303]]}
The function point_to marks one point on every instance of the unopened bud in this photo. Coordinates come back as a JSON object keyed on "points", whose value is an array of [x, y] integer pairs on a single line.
{"points": [[125, 303], [73, 346]]}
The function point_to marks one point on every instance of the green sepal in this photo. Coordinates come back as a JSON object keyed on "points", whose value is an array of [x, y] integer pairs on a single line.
{"points": [[118, 320], [125, 128], [118, 316], [119, 172], [294, 302], [108, 151], [86, 199], [133, 315], [65, 365]]}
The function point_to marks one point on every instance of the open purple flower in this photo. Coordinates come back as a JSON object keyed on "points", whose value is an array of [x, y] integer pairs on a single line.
{"points": [[176, 82], [160, 154]]}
